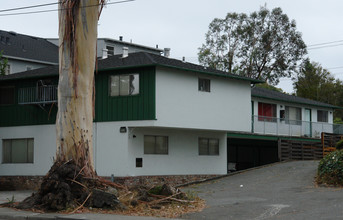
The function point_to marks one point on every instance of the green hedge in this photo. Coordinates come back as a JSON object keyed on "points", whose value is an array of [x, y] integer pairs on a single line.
{"points": [[330, 169], [339, 145]]}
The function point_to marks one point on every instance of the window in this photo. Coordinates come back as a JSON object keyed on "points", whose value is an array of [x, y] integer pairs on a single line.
{"points": [[266, 112], [110, 50], [208, 146], [155, 144], [322, 116], [204, 85], [7, 95], [293, 115], [17, 150], [8, 69], [124, 85]]}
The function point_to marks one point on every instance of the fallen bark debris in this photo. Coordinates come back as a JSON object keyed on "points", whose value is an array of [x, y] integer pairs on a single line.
{"points": [[65, 189]]}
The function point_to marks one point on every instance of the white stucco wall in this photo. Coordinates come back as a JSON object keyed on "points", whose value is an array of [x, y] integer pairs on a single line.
{"points": [[44, 149], [115, 152], [183, 154], [20, 66], [180, 104]]}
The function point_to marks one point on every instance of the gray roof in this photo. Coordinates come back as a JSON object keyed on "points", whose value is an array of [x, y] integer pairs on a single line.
{"points": [[279, 96], [140, 59], [26, 47]]}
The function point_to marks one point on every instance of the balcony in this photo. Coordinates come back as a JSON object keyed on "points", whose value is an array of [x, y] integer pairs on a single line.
{"points": [[285, 127], [38, 95]]}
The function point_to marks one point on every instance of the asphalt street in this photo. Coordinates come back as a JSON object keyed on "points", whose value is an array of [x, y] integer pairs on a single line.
{"points": [[281, 191]]}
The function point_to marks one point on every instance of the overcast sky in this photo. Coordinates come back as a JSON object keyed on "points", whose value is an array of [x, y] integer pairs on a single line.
{"points": [[182, 24]]}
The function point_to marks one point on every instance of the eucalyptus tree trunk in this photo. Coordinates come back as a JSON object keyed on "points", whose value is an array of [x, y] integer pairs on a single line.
{"points": [[78, 21]]}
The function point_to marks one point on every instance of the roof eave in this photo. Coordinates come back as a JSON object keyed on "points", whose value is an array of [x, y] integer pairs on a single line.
{"points": [[253, 81], [282, 100]]}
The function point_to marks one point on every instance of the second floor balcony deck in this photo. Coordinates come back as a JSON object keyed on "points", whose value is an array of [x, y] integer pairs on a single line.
{"points": [[38, 95], [286, 127]]}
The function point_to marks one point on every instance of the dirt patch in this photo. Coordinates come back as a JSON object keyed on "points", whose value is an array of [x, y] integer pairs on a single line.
{"points": [[65, 189]]}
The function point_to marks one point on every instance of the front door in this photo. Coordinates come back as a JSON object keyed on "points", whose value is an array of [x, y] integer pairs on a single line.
{"points": [[308, 124]]}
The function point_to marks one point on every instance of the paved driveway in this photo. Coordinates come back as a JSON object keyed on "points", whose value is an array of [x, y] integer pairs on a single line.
{"points": [[281, 191]]}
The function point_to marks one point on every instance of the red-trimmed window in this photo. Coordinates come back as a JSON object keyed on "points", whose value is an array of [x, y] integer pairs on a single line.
{"points": [[266, 112]]}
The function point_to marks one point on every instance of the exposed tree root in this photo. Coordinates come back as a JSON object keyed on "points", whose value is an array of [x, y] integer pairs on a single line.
{"points": [[66, 189], [65, 186]]}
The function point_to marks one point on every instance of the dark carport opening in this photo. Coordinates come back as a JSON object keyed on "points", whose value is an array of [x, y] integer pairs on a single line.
{"points": [[247, 153]]}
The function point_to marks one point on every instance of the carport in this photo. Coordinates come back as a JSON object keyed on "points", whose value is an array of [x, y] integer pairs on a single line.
{"points": [[247, 151]]}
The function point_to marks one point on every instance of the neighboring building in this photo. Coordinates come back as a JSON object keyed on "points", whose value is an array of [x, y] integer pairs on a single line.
{"points": [[281, 114], [153, 116], [26, 52], [278, 117], [109, 47]]}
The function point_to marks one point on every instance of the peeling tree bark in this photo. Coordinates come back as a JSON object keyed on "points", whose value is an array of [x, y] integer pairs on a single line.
{"points": [[78, 21]]}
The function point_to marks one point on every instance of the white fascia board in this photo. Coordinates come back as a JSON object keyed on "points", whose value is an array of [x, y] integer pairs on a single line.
{"points": [[29, 60]]}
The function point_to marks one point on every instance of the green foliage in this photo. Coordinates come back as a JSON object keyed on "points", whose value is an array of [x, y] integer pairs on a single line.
{"points": [[316, 83], [156, 190], [339, 145], [3, 64], [337, 120], [263, 45], [330, 169], [12, 200], [270, 87]]}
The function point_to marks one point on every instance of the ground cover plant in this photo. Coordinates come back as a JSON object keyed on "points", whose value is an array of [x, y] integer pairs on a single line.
{"points": [[330, 169]]}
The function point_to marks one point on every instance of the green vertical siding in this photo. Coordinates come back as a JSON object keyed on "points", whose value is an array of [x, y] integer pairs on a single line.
{"points": [[17, 115], [125, 108]]}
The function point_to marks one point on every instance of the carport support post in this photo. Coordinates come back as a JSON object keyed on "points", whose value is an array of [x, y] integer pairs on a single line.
{"points": [[279, 148]]}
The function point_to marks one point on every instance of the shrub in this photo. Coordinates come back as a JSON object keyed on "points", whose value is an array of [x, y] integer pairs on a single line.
{"points": [[330, 169], [339, 145]]}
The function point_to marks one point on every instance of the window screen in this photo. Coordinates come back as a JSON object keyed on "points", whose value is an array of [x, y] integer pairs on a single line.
{"points": [[124, 85], [17, 151], [204, 85], [208, 146], [322, 116], [155, 144]]}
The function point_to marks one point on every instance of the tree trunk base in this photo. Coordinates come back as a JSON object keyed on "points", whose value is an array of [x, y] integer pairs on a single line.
{"points": [[66, 188]]}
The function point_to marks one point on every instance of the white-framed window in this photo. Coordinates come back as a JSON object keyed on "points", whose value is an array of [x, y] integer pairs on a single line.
{"points": [[8, 69], [110, 50], [322, 116], [155, 144], [204, 85], [208, 146], [17, 150], [266, 112], [293, 115], [124, 85]]}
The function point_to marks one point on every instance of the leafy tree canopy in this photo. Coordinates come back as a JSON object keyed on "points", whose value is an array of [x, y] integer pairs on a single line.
{"points": [[316, 83], [270, 87], [263, 45]]}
